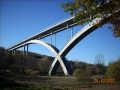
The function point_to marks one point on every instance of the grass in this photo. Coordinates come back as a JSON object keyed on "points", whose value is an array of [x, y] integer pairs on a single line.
{"points": [[21, 82]]}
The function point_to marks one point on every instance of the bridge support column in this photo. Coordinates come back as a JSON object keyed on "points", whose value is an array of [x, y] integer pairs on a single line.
{"points": [[12, 51], [15, 51], [51, 37], [67, 32], [27, 50], [39, 37], [24, 51], [55, 39], [43, 38], [72, 32]]}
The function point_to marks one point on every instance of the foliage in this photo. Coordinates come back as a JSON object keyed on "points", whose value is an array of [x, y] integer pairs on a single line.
{"points": [[80, 74], [5, 56], [99, 61], [15, 68], [86, 10], [113, 70], [98, 76], [32, 72], [30, 88], [35, 64], [89, 71]]}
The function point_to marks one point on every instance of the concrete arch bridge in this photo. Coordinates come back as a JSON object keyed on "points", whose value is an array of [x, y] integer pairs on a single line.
{"points": [[60, 54]]}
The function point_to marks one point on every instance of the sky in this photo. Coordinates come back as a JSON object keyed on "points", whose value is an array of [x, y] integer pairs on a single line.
{"points": [[21, 19]]}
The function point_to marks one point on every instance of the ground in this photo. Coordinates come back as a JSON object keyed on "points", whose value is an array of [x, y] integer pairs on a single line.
{"points": [[54, 82]]}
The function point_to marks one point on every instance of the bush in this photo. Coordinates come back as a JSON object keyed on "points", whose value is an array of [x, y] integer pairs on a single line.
{"points": [[32, 72], [89, 71], [113, 70], [80, 74], [15, 68]]}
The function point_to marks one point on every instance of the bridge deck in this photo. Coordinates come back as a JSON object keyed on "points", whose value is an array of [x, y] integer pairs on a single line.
{"points": [[54, 29]]}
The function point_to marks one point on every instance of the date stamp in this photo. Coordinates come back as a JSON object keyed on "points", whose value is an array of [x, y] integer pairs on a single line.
{"points": [[104, 80]]}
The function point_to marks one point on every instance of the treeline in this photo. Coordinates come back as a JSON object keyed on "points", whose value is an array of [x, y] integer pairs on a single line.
{"points": [[33, 64], [36, 64]]}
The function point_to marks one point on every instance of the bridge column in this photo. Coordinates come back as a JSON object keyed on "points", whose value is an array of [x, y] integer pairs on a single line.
{"points": [[55, 39], [39, 37], [15, 51], [67, 32], [24, 50], [12, 51], [72, 32], [51, 37], [27, 50]]}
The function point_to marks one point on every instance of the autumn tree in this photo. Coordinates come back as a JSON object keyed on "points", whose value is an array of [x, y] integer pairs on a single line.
{"points": [[113, 70], [86, 10]]}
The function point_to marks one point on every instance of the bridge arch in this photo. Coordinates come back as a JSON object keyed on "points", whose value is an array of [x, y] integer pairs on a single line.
{"points": [[55, 51], [75, 40]]}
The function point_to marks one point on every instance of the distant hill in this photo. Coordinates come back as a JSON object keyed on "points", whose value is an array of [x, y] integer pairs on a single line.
{"points": [[37, 64]]}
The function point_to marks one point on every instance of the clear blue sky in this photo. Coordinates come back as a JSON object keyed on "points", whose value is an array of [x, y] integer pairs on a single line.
{"points": [[20, 19]]}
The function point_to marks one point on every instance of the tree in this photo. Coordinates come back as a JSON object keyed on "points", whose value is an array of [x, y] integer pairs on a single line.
{"points": [[6, 59], [113, 70], [80, 74], [99, 61], [86, 10], [89, 70]]}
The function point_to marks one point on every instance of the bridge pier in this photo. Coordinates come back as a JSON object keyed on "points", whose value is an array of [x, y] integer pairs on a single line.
{"points": [[72, 32], [39, 38], [24, 51], [14, 51], [51, 37], [27, 50], [67, 32], [55, 39]]}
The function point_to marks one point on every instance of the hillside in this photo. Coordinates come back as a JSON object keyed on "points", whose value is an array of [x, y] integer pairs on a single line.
{"points": [[37, 64], [31, 72]]}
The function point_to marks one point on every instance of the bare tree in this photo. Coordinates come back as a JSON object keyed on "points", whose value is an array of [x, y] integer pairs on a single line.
{"points": [[99, 59], [100, 63]]}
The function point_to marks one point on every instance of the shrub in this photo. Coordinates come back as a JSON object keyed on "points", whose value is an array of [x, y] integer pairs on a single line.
{"points": [[89, 71], [32, 72], [80, 74], [113, 70], [15, 68]]}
